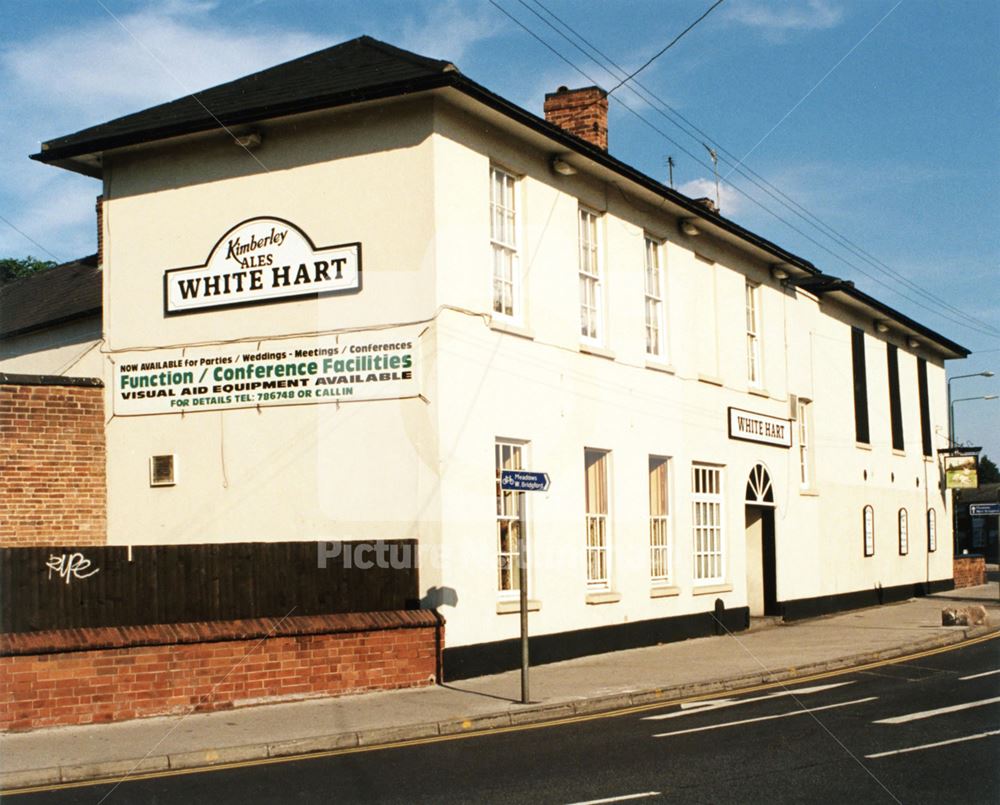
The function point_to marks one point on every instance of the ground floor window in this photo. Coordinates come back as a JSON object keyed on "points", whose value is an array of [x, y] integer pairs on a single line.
{"points": [[904, 535], [596, 470], [510, 518], [707, 528], [931, 530], [869, 527], [659, 520]]}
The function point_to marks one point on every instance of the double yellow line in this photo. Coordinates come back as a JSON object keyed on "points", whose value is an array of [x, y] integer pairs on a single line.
{"points": [[641, 708]]}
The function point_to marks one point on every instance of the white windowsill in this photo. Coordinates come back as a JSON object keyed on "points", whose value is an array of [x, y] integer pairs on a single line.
{"points": [[710, 379], [656, 366], [896, 452], [664, 592], [711, 589], [600, 352], [757, 391], [511, 328], [605, 597], [507, 606], [811, 492], [863, 446]]}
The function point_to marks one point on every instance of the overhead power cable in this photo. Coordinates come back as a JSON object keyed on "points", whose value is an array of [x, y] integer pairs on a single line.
{"points": [[750, 175], [672, 42], [26, 236], [741, 191]]}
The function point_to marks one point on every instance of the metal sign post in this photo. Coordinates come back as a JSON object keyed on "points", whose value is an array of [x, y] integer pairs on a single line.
{"points": [[524, 481]]}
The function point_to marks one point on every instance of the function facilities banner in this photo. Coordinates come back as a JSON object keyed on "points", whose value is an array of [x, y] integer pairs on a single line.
{"points": [[370, 366]]}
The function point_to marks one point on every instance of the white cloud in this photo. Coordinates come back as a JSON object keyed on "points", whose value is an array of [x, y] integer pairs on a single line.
{"points": [[807, 15], [154, 55], [446, 31], [68, 79], [731, 202]]}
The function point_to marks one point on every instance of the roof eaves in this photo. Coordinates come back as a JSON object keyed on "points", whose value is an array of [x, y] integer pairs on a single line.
{"points": [[42, 325], [52, 153]]}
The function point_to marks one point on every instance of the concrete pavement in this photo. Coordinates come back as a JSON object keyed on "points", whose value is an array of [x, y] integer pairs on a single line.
{"points": [[591, 684]]}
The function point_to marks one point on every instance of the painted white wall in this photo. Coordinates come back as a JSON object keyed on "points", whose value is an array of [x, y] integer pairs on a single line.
{"points": [[538, 385]]}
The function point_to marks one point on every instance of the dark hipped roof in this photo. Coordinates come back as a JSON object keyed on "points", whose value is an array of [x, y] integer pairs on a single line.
{"points": [[366, 69], [360, 69], [53, 296]]}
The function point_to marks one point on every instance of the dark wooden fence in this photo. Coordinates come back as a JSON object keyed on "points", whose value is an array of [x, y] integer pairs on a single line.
{"points": [[67, 587]]}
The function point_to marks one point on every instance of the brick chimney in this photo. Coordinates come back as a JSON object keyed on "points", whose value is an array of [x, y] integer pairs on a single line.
{"points": [[99, 206], [582, 112]]}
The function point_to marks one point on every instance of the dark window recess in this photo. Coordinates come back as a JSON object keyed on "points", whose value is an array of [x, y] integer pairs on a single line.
{"points": [[925, 407], [860, 386], [895, 408]]}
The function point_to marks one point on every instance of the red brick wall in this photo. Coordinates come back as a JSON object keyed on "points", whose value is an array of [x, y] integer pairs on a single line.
{"points": [[131, 680], [52, 471], [970, 571], [583, 112]]}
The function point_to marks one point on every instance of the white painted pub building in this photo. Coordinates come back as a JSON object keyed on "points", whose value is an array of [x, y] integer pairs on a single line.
{"points": [[342, 314]]}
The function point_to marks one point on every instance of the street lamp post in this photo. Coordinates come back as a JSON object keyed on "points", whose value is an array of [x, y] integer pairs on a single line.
{"points": [[951, 408], [951, 442]]}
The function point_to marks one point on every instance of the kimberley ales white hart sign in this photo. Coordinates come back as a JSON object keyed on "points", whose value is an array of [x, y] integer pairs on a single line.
{"points": [[262, 260], [751, 427]]}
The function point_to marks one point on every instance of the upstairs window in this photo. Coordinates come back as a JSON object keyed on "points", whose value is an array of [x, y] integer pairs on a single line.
{"points": [[861, 433], [895, 404], [503, 239], [655, 336], [591, 312], [925, 408], [753, 334]]}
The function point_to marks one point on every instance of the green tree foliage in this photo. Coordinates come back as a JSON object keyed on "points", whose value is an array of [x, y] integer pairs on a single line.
{"points": [[12, 268], [988, 472]]}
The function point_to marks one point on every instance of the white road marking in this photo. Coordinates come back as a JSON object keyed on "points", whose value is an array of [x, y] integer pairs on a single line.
{"points": [[938, 712], [717, 704], [933, 745], [766, 718], [976, 676], [622, 798]]}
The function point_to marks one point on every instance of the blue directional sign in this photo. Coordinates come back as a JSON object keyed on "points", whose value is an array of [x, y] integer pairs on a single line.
{"points": [[524, 481], [984, 509]]}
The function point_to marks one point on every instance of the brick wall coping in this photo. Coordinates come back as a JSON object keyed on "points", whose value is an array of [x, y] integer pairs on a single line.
{"points": [[49, 380], [112, 637]]}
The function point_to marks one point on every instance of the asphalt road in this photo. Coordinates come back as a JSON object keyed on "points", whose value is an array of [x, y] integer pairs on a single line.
{"points": [[927, 730]]}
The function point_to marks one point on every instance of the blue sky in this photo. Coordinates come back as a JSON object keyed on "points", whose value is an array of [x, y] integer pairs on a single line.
{"points": [[878, 117]]}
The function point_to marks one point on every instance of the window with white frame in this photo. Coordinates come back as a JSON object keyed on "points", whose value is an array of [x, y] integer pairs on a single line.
{"points": [[596, 470], [655, 335], [931, 530], [904, 535], [706, 522], [659, 520], [753, 334], [503, 239], [510, 519], [591, 312], [804, 416], [869, 527]]}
